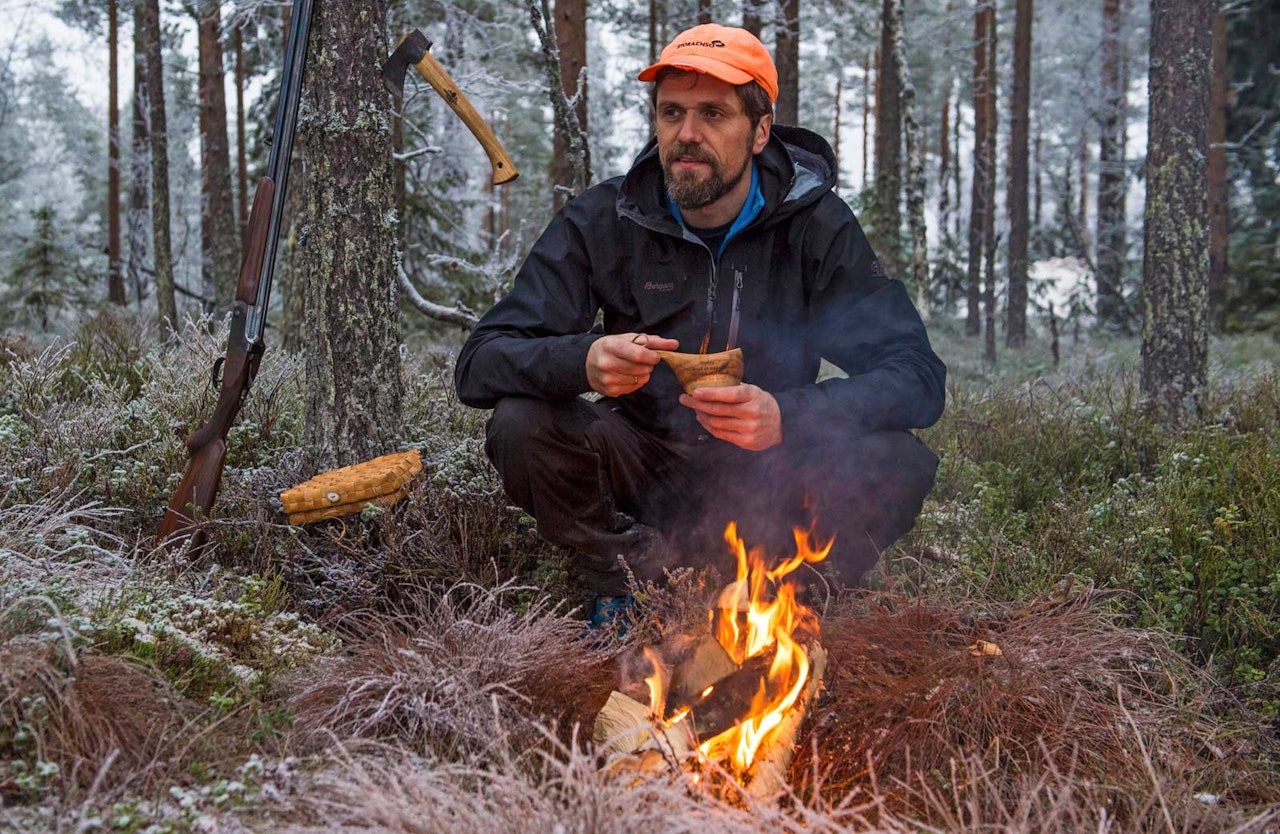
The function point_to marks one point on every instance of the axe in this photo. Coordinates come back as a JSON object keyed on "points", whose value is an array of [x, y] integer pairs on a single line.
{"points": [[414, 50]]}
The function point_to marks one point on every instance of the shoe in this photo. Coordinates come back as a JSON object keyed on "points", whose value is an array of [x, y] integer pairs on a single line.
{"points": [[612, 615], [648, 555]]}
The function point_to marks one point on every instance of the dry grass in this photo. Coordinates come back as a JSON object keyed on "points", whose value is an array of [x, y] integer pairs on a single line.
{"points": [[105, 722], [440, 675], [1079, 720]]}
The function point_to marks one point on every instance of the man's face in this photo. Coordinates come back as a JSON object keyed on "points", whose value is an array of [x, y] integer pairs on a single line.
{"points": [[705, 139]]}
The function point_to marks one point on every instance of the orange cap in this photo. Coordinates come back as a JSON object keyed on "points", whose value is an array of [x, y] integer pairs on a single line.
{"points": [[735, 56]]}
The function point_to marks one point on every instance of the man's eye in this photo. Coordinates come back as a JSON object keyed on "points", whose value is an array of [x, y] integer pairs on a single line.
{"points": [[672, 113], [712, 114]]}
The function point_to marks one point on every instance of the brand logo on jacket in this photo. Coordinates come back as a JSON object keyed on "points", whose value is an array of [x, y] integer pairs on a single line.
{"points": [[659, 286]]}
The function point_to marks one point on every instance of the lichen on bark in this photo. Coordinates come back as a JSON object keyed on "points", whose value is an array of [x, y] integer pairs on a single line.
{"points": [[347, 250]]}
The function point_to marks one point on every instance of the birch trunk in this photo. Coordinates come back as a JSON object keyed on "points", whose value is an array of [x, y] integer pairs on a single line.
{"points": [[915, 190]]}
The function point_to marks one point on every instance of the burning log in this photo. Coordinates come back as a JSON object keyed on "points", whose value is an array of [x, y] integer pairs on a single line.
{"points": [[769, 773], [727, 702], [737, 697]]}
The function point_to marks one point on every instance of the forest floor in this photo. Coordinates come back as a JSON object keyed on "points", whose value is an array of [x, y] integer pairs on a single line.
{"points": [[422, 668]]}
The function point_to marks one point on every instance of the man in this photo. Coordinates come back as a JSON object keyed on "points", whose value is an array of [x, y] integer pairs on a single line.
{"points": [[724, 233]]}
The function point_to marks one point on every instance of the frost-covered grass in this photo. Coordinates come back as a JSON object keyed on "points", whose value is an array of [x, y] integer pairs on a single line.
{"points": [[420, 668]]}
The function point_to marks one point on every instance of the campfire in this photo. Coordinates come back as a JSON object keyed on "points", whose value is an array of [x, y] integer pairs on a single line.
{"points": [[733, 698]]}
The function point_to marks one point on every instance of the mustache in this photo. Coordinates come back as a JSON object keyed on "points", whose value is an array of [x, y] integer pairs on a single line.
{"points": [[681, 150]]}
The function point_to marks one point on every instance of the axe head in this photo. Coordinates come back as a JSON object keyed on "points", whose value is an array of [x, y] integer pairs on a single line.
{"points": [[411, 49]]}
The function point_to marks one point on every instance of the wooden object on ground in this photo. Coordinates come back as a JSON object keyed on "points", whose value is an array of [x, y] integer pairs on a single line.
{"points": [[706, 664], [729, 701], [768, 774], [382, 482], [627, 727], [705, 370]]}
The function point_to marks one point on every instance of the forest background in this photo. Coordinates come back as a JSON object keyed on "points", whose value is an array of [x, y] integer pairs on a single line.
{"points": [[1100, 269]]}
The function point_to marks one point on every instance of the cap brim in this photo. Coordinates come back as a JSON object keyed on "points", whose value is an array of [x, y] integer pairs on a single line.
{"points": [[701, 64]]}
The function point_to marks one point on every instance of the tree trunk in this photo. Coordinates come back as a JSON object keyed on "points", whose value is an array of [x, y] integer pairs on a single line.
{"points": [[1219, 218], [704, 11], [218, 250], [989, 188], [835, 128], [1038, 202], [1015, 331], [347, 250], [115, 276], [242, 154], [570, 139], [978, 197], [166, 302], [787, 56], [888, 182], [1175, 269], [571, 43], [139, 165], [866, 116], [1110, 237], [915, 185], [751, 18], [944, 161]]}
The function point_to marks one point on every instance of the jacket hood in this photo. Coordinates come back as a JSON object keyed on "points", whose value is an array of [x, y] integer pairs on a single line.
{"points": [[796, 168]]}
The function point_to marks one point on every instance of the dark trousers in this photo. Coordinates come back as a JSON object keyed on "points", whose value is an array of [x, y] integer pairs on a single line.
{"points": [[587, 475]]}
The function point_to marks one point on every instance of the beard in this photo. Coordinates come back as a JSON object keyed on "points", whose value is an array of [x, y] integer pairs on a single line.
{"points": [[688, 189]]}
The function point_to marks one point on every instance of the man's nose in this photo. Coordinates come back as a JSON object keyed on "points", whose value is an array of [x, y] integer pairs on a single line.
{"points": [[690, 129]]}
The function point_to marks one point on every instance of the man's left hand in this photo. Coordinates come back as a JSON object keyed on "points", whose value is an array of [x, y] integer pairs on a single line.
{"points": [[745, 415]]}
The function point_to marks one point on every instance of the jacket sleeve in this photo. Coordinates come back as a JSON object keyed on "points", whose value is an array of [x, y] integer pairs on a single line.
{"points": [[862, 321], [534, 342]]}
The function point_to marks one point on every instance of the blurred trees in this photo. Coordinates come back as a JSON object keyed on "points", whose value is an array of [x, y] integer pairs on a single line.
{"points": [[461, 239]]}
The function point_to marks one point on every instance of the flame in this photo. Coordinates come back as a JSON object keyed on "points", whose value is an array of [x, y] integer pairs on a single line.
{"points": [[747, 624], [657, 683]]}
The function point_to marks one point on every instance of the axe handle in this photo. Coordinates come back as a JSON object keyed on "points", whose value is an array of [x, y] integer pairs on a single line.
{"points": [[504, 170]]}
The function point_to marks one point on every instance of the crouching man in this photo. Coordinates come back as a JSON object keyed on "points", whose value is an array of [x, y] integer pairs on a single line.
{"points": [[725, 233]]}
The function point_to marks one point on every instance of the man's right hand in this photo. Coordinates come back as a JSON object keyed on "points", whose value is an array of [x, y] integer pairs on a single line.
{"points": [[621, 363]]}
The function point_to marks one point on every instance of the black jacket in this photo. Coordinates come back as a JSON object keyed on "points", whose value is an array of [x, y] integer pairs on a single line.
{"points": [[808, 285]]}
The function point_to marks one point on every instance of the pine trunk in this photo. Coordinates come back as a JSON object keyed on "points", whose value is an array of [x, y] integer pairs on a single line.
{"points": [[115, 275], [978, 197], [571, 41], [1175, 269], [751, 19], [787, 56], [166, 301], [139, 166], [888, 180], [704, 11], [944, 161], [1015, 332], [218, 250], [242, 154], [989, 189], [347, 251], [1219, 217], [1110, 238]]}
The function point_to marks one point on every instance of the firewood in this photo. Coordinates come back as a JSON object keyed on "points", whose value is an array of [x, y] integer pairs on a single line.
{"points": [[706, 664], [768, 775], [729, 702], [624, 726]]}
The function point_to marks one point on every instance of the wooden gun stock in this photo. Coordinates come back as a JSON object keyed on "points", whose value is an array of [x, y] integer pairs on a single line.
{"points": [[194, 497]]}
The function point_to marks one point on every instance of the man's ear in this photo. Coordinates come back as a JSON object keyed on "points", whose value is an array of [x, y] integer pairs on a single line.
{"points": [[762, 133]]}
